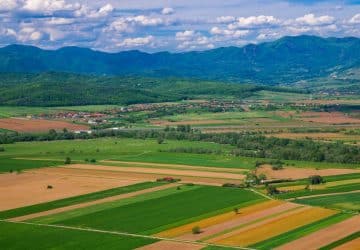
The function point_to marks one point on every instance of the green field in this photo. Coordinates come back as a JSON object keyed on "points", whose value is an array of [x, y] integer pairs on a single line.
{"points": [[158, 214], [349, 201], [76, 200], [342, 241], [22, 236]]}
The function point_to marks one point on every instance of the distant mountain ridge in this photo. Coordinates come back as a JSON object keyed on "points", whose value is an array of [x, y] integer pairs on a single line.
{"points": [[286, 60]]}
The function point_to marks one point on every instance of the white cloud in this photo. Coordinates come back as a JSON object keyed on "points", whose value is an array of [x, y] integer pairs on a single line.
{"points": [[146, 20], [229, 33], [225, 19], [120, 25], [137, 42], [28, 33], [167, 11], [253, 21], [185, 35], [312, 20], [189, 39], [49, 6], [355, 19], [60, 21], [102, 12], [6, 5]]}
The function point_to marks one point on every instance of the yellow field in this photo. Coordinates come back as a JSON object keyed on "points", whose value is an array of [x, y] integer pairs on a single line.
{"points": [[174, 232], [271, 229]]}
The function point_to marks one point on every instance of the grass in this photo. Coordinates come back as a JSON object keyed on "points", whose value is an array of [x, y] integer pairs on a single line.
{"points": [[342, 241], [20, 236], [76, 200], [158, 214], [299, 232], [342, 201], [16, 165]]}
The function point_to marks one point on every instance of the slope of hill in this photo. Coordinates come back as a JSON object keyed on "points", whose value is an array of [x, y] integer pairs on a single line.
{"points": [[61, 89], [286, 60]]}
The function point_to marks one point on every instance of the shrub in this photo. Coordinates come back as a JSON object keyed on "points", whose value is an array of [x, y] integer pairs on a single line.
{"points": [[68, 160], [271, 190], [49, 187], [93, 160], [316, 179], [236, 210], [2, 149], [196, 230]]}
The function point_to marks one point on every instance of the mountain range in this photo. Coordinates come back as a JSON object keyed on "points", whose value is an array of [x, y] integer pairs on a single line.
{"points": [[287, 60]]}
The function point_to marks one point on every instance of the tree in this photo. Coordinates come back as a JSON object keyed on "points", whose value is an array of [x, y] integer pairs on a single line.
{"points": [[160, 140], [271, 190], [196, 230], [236, 210], [316, 179], [67, 160]]}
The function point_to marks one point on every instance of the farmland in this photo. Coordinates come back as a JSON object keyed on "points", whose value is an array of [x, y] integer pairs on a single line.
{"points": [[271, 171]]}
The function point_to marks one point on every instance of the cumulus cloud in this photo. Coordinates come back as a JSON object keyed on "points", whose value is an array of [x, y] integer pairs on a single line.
{"points": [[49, 6], [137, 42], [225, 19], [6, 5], [229, 33], [253, 21], [28, 33], [102, 12], [355, 19], [189, 39], [312, 20], [60, 21], [167, 11]]}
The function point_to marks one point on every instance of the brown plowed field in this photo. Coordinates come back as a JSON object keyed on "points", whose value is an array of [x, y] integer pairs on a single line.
{"points": [[328, 118], [163, 171], [300, 173], [26, 125], [325, 236], [28, 188]]}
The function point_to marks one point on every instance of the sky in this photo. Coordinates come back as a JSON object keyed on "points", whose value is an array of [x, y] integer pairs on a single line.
{"points": [[171, 25]]}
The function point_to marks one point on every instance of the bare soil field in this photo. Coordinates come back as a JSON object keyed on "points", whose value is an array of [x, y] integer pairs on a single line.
{"points": [[300, 173], [325, 236], [28, 125], [117, 174], [162, 171], [28, 188], [166, 245], [328, 118]]}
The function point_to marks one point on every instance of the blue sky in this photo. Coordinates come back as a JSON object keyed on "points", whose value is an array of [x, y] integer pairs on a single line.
{"points": [[177, 25]]}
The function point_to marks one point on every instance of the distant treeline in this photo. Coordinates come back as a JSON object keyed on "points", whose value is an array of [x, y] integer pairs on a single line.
{"points": [[65, 89], [250, 145]]}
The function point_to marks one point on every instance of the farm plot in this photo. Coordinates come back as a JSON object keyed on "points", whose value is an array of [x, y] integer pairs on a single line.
{"points": [[42, 185], [325, 236], [23, 236], [301, 173], [346, 201], [27, 125], [328, 118], [277, 226], [158, 214]]}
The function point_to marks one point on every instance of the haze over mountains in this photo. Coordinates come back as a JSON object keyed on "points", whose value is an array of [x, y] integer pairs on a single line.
{"points": [[286, 60]]}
